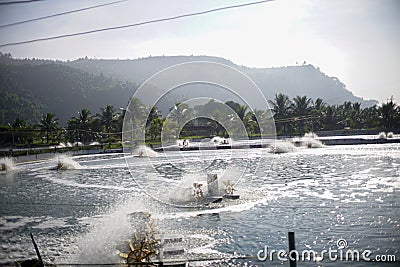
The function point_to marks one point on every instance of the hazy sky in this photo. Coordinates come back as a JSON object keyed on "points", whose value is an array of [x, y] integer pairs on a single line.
{"points": [[357, 41]]}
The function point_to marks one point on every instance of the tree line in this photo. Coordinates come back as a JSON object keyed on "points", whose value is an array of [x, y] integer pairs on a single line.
{"points": [[104, 126], [291, 116], [302, 114]]}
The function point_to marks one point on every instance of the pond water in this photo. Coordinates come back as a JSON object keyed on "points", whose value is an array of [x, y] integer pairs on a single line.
{"points": [[79, 215]]}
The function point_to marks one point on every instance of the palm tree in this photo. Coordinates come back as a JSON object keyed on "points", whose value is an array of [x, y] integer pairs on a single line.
{"points": [[356, 116], [345, 113], [319, 104], [239, 109], [389, 114], [331, 118], [370, 117], [318, 113], [48, 123], [84, 116], [85, 120], [108, 118], [301, 106], [82, 125], [281, 108], [250, 123]]}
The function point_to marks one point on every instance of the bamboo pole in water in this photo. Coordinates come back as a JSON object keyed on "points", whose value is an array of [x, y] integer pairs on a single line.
{"points": [[37, 252]]}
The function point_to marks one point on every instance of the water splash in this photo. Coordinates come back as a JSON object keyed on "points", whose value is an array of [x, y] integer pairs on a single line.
{"points": [[382, 135], [94, 144], [144, 151], [309, 140], [311, 135], [61, 145], [107, 233], [282, 147], [7, 164], [311, 143], [184, 192], [65, 162]]}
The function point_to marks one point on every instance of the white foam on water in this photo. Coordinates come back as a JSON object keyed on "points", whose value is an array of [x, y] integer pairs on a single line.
{"points": [[183, 192], [368, 170], [94, 144], [326, 194], [73, 183], [382, 184], [311, 135], [144, 151], [282, 147], [65, 162], [7, 164], [13, 222], [60, 145], [106, 166], [311, 142], [208, 249], [51, 223], [225, 209], [107, 232], [94, 156], [221, 140], [382, 135]]}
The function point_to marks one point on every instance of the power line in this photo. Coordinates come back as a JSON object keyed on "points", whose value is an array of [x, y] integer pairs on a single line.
{"points": [[61, 14], [19, 2], [134, 24]]}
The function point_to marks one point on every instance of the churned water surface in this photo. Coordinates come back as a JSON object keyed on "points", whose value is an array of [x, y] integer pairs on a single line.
{"points": [[324, 195]]}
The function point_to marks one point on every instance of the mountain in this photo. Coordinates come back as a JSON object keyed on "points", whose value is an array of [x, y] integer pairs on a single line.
{"points": [[30, 88], [292, 80]]}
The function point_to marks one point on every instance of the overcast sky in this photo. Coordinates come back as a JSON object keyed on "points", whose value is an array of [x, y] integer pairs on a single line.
{"points": [[357, 41]]}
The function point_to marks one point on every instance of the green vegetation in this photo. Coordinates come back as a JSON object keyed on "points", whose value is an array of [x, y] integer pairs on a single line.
{"points": [[29, 88], [292, 117], [45, 103], [302, 114]]}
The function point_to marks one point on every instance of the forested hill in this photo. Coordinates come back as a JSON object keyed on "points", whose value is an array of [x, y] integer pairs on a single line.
{"points": [[30, 88], [303, 80]]}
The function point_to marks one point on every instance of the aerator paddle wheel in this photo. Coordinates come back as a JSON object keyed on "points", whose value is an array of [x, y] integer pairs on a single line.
{"points": [[144, 245], [140, 251]]}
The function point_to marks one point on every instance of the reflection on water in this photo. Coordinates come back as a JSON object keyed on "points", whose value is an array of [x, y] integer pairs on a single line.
{"points": [[322, 195]]}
